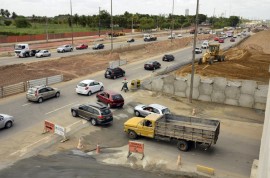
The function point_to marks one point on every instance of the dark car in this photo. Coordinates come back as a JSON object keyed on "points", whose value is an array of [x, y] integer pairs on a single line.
{"points": [[168, 57], [34, 52], [232, 40], [96, 113], [131, 40], [112, 99], [152, 65], [114, 73], [82, 46], [98, 46]]}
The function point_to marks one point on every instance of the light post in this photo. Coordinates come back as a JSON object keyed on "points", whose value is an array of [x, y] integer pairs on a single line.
{"points": [[99, 21], [193, 53], [47, 37], [172, 23], [71, 22], [111, 29], [132, 25]]}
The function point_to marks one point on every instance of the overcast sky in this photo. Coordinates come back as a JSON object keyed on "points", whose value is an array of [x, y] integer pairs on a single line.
{"points": [[252, 9]]}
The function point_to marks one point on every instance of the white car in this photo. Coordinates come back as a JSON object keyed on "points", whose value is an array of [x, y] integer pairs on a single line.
{"points": [[171, 36], [205, 44], [88, 87], [198, 50], [144, 110], [179, 35], [6, 121], [64, 48], [43, 53]]}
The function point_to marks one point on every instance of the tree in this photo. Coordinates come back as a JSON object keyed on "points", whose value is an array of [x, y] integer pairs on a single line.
{"points": [[22, 22], [83, 21], [105, 18], [7, 13], [147, 23], [14, 15], [2, 12], [7, 22], [233, 21], [76, 19], [202, 18]]}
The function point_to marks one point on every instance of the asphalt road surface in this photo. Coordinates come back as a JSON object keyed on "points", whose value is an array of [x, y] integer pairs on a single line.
{"points": [[70, 165]]}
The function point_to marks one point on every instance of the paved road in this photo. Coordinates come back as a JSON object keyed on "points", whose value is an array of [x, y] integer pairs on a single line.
{"points": [[28, 113]]}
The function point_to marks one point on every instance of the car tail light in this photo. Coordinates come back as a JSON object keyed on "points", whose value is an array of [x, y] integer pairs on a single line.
{"points": [[100, 117], [86, 88]]}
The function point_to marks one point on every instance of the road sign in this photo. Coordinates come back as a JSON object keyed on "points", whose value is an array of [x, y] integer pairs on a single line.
{"points": [[60, 130], [135, 147], [48, 126]]}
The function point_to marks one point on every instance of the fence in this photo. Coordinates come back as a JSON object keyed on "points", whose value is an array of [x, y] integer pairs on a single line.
{"points": [[23, 86]]}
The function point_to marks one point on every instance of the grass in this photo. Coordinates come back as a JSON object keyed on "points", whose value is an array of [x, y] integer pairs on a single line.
{"points": [[38, 28]]}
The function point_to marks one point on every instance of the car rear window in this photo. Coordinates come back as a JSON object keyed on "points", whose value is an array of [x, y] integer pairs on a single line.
{"points": [[117, 97], [82, 84], [105, 111], [31, 91]]}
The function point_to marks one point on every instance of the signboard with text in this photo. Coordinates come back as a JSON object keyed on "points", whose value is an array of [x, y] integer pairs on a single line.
{"points": [[135, 147], [59, 130], [48, 126]]}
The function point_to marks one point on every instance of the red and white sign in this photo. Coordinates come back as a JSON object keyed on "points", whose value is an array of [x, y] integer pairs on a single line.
{"points": [[135, 147], [48, 126]]}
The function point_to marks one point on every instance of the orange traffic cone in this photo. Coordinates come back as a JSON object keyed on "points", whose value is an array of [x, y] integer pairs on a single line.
{"points": [[193, 112], [80, 145], [98, 149]]}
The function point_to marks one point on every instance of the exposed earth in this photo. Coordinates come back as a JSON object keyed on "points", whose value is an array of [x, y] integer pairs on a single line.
{"points": [[250, 60]]}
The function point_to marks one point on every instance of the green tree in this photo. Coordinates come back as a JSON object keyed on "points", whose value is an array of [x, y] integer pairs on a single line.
{"points": [[2, 12], [83, 20], [7, 13], [76, 19], [202, 18], [14, 15], [22, 22], [233, 21], [105, 18], [7, 22], [147, 23]]}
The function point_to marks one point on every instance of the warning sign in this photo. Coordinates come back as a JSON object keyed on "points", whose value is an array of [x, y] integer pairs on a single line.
{"points": [[48, 126], [135, 147]]}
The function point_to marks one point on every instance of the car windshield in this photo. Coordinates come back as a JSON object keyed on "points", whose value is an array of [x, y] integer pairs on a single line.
{"points": [[82, 84], [19, 47], [105, 111], [117, 97], [165, 111]]}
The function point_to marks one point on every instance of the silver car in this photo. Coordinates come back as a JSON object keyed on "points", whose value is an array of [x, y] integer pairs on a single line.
{"points": [[40, 93], [43, 53], [65, 48], [6, 121], [144, 110]]}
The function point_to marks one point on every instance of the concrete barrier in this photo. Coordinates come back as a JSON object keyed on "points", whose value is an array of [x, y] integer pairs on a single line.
{"points": [[206, 170]]}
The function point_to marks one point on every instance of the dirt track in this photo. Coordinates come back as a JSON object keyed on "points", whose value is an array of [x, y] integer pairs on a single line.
{"points": [[248, 61]]}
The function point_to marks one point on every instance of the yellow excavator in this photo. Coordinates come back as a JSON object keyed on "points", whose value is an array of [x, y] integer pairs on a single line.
{"points": [[212, 54]]}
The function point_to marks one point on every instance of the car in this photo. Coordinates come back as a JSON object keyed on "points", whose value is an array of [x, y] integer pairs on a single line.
{"points": [[216, 38], [33, 52], [41, 93], [114, 73], [43, 53], [205, 44], [232, 40], [111, 98], [6, 121], [65, 48], [152, 65], [179, 35], [88, 87], [98, 46], [130, 40], [144, 110], [234, 36], [171, 36], [82, 46], [168, 57], [198, 50], [96, 113], [221, 40]]}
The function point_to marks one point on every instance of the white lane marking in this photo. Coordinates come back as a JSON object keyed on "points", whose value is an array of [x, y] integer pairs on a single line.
{"points": [[60, 108], [26, 104], [137, 68]]}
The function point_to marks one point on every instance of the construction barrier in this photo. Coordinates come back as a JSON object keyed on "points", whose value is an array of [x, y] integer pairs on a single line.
{"points": [[135, 147], [135, 84], [56, 129], [206, 170]]}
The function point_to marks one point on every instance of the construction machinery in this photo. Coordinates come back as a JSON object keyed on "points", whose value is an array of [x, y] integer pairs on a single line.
{"points": [[212, 54]]}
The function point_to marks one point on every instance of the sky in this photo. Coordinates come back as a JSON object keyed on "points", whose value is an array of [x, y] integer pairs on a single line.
{"points": [[251, 9]]}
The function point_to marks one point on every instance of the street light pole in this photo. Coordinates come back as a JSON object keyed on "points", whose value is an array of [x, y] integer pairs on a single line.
{"points": [[47, 37], [193, 53], [71, 22], [172, 21], [99, 21], [111, 29], [132, 25]]}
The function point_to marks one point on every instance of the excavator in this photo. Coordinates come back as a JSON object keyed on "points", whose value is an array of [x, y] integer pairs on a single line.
{"points": [[212, 54]]}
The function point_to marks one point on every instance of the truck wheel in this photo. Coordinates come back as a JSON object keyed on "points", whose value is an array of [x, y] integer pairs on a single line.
{"points": [[211, 61], [222, 58], [200, 61], [182, 145], [132, 134]]}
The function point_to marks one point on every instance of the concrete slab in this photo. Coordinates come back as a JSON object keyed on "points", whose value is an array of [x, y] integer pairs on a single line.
{"points": [[218, 97], [219, 84], [232, 92], [195, 93], [248, 87], [157, 84], [205, 89], [180, 85], [168, 88], [205, 98], [196, 80], [231, 102], [246, 100]]}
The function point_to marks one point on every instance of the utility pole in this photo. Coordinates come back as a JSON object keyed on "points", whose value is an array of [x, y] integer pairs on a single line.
{"points": [[111, 29], [99, 21], [47, 37], [71, 22], [193, 53], [132, 25], [172, 23]]}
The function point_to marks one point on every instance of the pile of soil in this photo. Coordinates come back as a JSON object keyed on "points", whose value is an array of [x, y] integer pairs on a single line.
{"points": [[85, 64], [249, 61]]}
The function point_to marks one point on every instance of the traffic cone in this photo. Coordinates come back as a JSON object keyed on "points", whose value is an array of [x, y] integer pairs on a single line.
{"points": [[80, 145], [98, 149], [193, 112]]}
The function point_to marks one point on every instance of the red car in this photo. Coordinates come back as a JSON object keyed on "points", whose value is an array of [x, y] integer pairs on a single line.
{"points": [[232, 40], [221, 40], [112, 99], [216, 38], [82, 46]]}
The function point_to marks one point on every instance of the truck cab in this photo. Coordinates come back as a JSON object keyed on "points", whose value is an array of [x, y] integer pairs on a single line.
{"points": [[22, 50]]}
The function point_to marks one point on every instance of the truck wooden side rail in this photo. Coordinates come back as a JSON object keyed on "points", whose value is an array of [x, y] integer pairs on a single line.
{"points": [[169, 127]]}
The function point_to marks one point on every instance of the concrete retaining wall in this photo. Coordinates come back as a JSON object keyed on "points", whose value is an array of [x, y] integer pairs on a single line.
{"points": [[244, 93]]}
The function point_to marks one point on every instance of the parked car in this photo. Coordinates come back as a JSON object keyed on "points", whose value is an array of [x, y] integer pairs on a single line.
{"points": [[168, 57], [82, 46], [198, 50], [234, 36], [41, 93], [152, 65], [171, 36], [65, 48], [179, 35], [232, 40], [221, 40], [88, 87], [34, 52], [216, 38], [144, 110], [43, 53], [205, 44], [130, 40], [98, 46], [96, 113], [6, 121], [114, 73], [112, 99]]}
